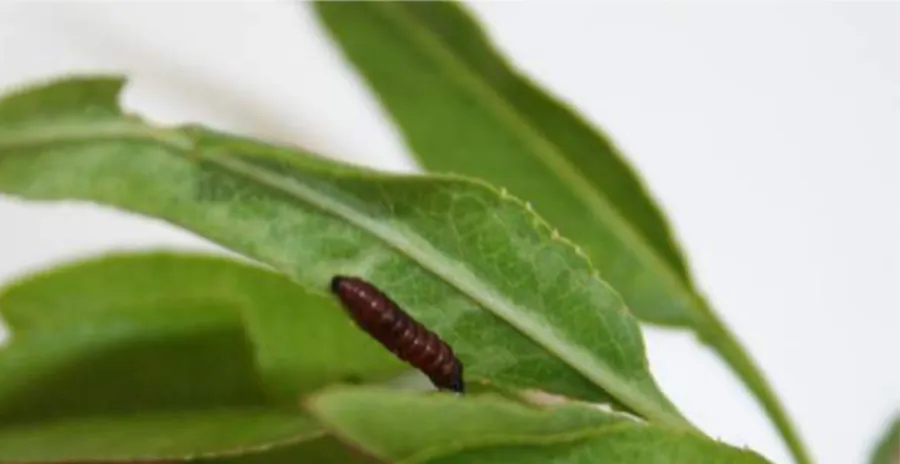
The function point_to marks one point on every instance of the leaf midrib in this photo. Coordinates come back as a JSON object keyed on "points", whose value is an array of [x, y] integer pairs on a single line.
{"points": [[74, 130], [546, 151], [395, 235]]}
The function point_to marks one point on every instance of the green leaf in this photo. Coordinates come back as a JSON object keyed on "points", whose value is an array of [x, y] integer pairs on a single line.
{"points": [[302, 341], [145, 356], [397, 426], [134, 364], [136, 388], [518, 303], [627, 444], [887, 451], [462, 108], [325, 450], [162, 435]]}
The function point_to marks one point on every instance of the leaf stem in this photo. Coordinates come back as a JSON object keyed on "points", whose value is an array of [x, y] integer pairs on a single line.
{"points": [[716, 333]]}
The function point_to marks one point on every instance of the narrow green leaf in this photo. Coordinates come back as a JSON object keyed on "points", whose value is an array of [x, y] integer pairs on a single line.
{"points": [[887, 451], [302, 341], [519, 304], [593, 155], [397, 426], [462, 108], [627, 444]]}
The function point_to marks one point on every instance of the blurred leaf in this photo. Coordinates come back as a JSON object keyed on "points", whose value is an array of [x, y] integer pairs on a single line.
{"points": [[519, 305], [302, 341], [155, 359], [887, 451], [398, 426], [144, 356], [163, 435], [325, 450], [153, 384], [463, 109]]}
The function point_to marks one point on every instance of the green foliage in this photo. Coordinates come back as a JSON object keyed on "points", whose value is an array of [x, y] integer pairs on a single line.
{"points": [[396, 426], [157, 356], [164, 356], [627, 444], [240, 306], [489, 429], [462, 108], [168, 435], [444, 248]]}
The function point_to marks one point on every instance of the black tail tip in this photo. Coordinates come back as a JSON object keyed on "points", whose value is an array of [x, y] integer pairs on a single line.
{"points": [[336, 282], [457, 384], [458, 387]]}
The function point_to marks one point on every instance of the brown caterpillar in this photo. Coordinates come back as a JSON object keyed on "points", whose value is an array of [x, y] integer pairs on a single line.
{"points": [[409, 340]]}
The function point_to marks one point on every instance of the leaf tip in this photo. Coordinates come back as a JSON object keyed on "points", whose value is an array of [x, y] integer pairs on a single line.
{"points": [[62, 94]]}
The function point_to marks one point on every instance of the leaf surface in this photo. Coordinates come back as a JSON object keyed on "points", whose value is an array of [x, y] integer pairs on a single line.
{"points": [[325, 450], [518, 303], [396, 425], [463, 109], [137, 388], [301, 341], [167, 435], [417, 428], [612, 445], [152, 356]]}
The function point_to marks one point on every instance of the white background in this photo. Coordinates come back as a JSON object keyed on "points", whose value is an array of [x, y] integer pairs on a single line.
{"points": [[769, 132]]}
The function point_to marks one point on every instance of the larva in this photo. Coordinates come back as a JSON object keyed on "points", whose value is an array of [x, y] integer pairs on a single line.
{"points": [[382, 318]]}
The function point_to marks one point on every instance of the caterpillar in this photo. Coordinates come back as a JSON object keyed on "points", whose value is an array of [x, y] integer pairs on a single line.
{"points": [[409, 340]]}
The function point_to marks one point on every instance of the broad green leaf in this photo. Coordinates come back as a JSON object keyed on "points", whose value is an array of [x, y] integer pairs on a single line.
{"points": [[397, 426], [887, 451], [518, 303], [463, 109], [138, 387], [302, 341], [145, 356], [129, 365]]}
